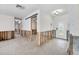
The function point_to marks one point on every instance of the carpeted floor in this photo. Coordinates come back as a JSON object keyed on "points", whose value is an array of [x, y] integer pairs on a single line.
{"points": [[22, 46]]}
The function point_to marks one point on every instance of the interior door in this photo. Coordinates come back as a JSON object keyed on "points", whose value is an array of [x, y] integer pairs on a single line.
{"points": [[61, 31]]}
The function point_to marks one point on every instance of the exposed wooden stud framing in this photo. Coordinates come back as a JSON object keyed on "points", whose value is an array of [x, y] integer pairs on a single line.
{"points": [[38, 38], [26, 34], [12, 35]]}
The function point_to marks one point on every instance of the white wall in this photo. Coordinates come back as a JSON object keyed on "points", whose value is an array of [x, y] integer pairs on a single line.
{"points": [[45, 22], [26, 24], [6, 23], [61, 19], [48, 22], [74, 20]]}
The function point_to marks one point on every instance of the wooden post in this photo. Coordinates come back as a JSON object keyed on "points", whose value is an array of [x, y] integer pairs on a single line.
{"points": [[12, 35], [31, 35], [38, 39]]}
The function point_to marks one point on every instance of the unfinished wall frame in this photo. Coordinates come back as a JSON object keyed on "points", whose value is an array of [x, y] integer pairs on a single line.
{"points": [[41, 37], [33, 27], [34, 24], [26, 34]]}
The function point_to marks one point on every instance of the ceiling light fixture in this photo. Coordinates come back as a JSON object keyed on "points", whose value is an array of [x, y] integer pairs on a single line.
{"points": [[58, 12], [20, 6]]}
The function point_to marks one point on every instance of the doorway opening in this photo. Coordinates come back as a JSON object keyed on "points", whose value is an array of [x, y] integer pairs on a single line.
{"points": [[17, 23], [60, 31], [34, 24]]}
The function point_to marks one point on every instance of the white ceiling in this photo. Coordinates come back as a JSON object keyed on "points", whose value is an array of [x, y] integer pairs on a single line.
{"points": [[10, 9]]}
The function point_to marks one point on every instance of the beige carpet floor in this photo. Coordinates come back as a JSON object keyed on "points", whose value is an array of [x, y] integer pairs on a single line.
{"points": [[22, 46]]}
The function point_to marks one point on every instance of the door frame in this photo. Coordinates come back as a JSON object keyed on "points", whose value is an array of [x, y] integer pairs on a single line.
{"points": [[35, 15]]}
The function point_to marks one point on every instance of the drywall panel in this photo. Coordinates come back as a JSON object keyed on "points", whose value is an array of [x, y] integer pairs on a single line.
{"points": [[46, 22], [6, 23]]}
